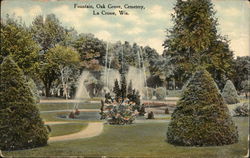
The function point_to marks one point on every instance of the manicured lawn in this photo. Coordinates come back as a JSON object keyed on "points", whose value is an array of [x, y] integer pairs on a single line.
{"points": [[141, 139], [63, 129], [64, 106]]}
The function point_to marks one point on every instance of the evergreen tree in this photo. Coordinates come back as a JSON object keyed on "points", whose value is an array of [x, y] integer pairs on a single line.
{"points": [[20, 124], [201, 117], [130, 87], [117, 90], [194, 41], [123, 86], [229, 93]]}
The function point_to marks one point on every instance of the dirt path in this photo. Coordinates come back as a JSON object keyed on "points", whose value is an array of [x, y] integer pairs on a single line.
{"points": [[93, 129]]}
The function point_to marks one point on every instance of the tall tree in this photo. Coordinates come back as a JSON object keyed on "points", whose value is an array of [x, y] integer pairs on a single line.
{"points": [[17, 41], [48, 32], [117, 90], [194, 41], [130, 87], [20, 124], [64, 59], [123, 86]]}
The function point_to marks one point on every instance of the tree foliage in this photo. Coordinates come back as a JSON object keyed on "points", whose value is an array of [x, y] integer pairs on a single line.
{"points": [[20, 124], [63, 60], [17, 41], [201, 117], [91, 50], [47, 31], [242, 69], [194, 41]]}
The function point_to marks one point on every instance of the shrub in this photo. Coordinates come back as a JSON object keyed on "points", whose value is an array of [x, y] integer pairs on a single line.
{"points": [[201, 117], [151, 115], [21, 125], [230, 94], [166, 111], [242, 110], [72, 115], [119, 114], [160, 93]]}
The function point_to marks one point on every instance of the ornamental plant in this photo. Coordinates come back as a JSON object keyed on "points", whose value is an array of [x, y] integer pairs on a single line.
{"points": [[201, 117], [20, 124], [229, 93]]}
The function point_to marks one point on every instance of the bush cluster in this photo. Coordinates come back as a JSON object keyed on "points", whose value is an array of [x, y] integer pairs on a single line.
{"points": [[201, 117]]}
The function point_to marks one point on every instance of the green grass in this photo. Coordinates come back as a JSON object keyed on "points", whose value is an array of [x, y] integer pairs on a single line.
{"points": [[63, 106], [64, 129], [145, 139]]}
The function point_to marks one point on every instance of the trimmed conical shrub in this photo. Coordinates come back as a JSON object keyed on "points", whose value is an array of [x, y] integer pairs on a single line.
{"points": [[20, 124], [201, 117], [229, 93]]}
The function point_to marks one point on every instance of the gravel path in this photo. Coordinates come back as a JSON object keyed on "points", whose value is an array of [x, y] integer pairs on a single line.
{"points": [[93, 129]]}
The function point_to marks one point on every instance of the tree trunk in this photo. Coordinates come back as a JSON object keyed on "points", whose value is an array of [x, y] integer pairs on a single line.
{"points": [[47, 90], [173, 83]]}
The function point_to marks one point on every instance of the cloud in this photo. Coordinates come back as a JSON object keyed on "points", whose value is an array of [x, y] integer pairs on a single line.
{"points": [[154, 42], [81, 19], [157, 12], [104, 35], [27, 14], [240, 45], [228, 12], [35, 10], [18, 12], [231, 12], [135, 30], [70, 16], [134, 19]]}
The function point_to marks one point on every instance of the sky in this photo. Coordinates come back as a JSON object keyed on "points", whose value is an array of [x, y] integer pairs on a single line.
{"points": [[145, 26]]}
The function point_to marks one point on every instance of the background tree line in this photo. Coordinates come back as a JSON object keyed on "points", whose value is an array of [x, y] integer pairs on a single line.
{"points": [[54, 56]]}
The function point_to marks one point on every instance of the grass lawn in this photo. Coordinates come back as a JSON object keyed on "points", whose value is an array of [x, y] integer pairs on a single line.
{"points": [[141, 139], [63, 129], [64, 106]]}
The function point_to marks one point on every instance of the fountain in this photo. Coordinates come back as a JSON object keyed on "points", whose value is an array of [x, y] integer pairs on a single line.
{"points": [[110, 75], [81, 92]]}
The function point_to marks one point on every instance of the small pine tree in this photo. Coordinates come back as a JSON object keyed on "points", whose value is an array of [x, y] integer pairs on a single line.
{"points": [[201, 117], [123, 86], [229, 93], [117, 90], [21, 125], [130, 87]]}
